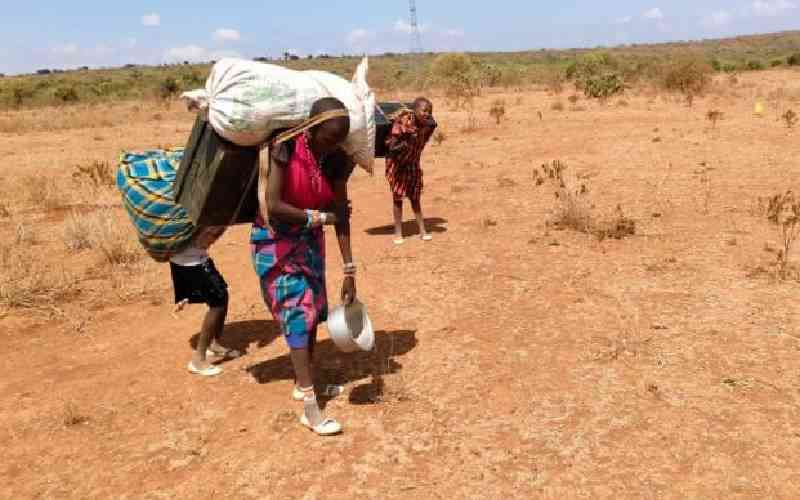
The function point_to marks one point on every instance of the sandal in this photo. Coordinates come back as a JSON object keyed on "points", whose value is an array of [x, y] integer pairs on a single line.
{"points": [[399, 241], [328, 427], [227, 354], [329, 391], [209, 371], [426, 237]]}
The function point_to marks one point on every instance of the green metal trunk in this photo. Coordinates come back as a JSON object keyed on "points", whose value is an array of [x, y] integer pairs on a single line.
{"points": [[213, 179]]}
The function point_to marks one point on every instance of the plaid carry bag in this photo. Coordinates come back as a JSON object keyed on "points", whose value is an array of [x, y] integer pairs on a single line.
{"points": [[147, 183]]}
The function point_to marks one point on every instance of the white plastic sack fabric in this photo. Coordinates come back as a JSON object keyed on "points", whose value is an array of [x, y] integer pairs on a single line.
{"points": [[246, 101]]}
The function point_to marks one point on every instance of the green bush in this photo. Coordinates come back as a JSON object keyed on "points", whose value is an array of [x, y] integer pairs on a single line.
{"points": [[459, 77], [168, 88], [20, 94], [730, 68], [603, 86], [597, 75], [794, 60], [66, 94], [716, 65], [776, 62], [755, 65]]}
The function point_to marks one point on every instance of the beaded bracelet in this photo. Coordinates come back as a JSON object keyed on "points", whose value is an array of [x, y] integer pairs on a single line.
{"points": [[349, 269], [309, 218]]}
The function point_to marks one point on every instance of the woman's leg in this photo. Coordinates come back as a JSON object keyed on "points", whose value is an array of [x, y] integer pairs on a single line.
{"points": [[301, 361]]}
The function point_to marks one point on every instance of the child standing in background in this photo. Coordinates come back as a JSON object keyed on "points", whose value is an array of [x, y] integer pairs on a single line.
{"points": [[410, 134]]}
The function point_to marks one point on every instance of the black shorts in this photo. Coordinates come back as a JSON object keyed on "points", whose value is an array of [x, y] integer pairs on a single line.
{"points": [[201, 284]]}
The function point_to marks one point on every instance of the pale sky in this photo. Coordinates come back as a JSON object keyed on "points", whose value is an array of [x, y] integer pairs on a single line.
{"points": [[50, 34]]}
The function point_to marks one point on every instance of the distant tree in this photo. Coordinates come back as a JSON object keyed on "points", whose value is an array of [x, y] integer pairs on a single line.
{"points": [[43, 72]]}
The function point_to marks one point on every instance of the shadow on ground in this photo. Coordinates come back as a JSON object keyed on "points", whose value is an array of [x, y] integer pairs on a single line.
{"points": [[335, 367], [434, 225], [240, 335]]}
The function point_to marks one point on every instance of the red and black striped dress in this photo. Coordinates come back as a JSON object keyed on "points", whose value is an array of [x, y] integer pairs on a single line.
{"points": [[404, 147]]}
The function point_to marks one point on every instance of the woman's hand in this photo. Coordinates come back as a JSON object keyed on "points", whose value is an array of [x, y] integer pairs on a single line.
{"points": [[348, 290]]}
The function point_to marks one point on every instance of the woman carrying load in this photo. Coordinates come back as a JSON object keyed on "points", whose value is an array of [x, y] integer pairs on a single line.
{"points": [[304, 189]]}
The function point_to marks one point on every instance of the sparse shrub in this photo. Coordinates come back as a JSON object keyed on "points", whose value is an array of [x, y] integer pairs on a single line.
{"points": [[776, 63], [755, 65], [459, 77], [66, 94], [498, 110], [622, 103], [20, 94], [793, 60], [783, 212], [557, 106], [714, 116], [690, 76], [730, 68], [598, 75], [169, 88], [5, 213], [573, 99], [790, 118], [572, 210], [617, 227], [70, 416], [554, 81], [716, 65]]}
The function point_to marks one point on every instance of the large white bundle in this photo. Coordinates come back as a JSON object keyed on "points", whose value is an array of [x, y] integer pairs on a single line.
{"points": [[246, 101]]}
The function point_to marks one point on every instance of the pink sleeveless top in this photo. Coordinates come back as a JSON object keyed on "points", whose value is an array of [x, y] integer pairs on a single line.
{"points": [[304, 185]]}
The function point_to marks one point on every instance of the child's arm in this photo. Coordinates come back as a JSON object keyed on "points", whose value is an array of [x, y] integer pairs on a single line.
{"points": [[396, 143]]}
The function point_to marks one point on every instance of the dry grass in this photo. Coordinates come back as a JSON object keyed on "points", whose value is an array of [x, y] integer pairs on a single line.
{"points": [[115, 241], [439, 137], [498, 110], [84, 116], [472, 124], [28, 282], [789, 118], [71, 415], [572, 208], [783, 211], [714, 116], [557, 106], [77, 231], [98, 174], [45, 193], [102, 231]]}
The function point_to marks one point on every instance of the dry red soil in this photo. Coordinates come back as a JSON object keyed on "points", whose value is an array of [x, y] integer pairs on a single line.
{"points": [[513, 360]]}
